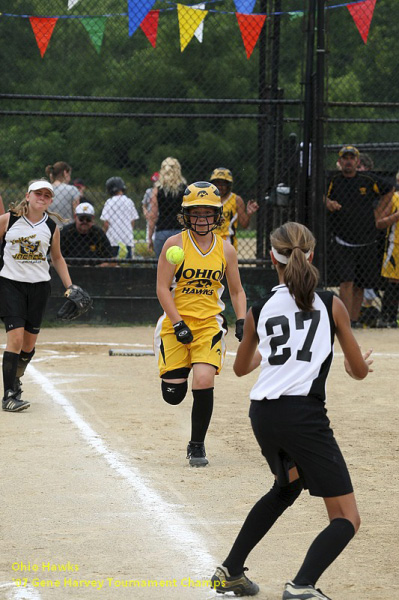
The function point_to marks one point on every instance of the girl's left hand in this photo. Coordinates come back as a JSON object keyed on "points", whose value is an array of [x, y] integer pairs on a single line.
{"points": [[252, 207]]}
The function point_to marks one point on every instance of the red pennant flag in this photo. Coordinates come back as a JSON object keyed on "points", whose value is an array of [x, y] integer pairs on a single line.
{"points": [[362, 13], [43, 28], [149, 25], [250, 27]]}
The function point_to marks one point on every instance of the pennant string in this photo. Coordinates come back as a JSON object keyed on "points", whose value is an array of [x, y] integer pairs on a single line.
{"points": [[191, 21], [222, 12]]}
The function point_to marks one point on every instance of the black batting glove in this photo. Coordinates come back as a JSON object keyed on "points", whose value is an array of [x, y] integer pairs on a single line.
{"points": [[239, 329], [183, 332]]}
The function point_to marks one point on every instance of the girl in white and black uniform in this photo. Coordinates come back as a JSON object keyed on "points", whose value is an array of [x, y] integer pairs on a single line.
{"points": [[27, 234], [290, 334]]}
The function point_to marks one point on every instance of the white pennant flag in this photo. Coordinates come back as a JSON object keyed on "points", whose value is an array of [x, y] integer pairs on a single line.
{"points": [[71, 3], [199, 32]]}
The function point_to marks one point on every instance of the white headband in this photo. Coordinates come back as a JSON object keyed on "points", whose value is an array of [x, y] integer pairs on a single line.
{"points": [[284, 259]]}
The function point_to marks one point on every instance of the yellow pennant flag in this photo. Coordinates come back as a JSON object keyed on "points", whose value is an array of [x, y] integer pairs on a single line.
{"points": [[189, 21]]}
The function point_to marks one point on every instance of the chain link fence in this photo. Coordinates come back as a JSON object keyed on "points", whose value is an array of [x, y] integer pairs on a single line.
{"points": [[270, 90], [361, 111], [79, 89]]}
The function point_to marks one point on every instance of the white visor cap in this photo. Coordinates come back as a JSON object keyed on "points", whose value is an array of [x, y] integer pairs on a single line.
{"points": [[41, 185]]}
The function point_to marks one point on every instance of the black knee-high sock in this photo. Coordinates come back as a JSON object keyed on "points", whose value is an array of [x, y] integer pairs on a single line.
{"points": [[24, 360], [390, 302], [258, 522], [201, 414], [10, 363], [324, 550]]}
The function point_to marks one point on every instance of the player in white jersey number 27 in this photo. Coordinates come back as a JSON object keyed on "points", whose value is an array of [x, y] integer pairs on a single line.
{"points": [[290, 334]]}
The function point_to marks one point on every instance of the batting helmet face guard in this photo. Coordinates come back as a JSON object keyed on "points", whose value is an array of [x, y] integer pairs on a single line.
{"points": [[115, 185], [202, 194], [222, 173]]}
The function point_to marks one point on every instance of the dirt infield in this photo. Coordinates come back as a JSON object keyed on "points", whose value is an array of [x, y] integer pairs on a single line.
{"points": [[98, 500]]}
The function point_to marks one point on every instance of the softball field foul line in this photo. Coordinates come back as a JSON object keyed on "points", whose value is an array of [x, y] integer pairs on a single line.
{"points": [[159, 512]]}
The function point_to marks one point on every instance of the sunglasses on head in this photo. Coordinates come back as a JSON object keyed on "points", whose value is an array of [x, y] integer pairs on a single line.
{"points": [[85, 218]]}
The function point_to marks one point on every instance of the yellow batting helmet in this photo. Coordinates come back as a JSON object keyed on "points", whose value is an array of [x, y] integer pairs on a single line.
{"points": [[222, 173], [201, 193]]}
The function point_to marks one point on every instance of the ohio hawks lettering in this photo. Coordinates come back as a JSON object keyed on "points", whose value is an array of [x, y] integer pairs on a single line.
{"points": [[200, 280]]}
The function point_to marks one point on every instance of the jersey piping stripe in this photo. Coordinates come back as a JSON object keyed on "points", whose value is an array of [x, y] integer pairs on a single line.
{"points": [[35, 224], [197, 248]]}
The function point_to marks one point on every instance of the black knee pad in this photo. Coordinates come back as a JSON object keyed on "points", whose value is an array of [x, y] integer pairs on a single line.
{"points": [[23, 361], [289, 493], [174, 393]]}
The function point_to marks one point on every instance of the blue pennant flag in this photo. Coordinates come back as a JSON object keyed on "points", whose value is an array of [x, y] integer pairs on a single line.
{"points": [[244, 6], [137, 11]]}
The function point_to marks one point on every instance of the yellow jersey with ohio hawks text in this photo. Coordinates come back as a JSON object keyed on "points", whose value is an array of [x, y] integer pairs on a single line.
{"points": [[228, 229], [197, 284]]}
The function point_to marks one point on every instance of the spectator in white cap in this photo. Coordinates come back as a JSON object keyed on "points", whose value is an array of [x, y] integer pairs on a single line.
{"points": [[82, 239], [119, 215]]}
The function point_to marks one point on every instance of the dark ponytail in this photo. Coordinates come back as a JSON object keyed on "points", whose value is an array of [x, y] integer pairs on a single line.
{"points": [[56, 171]]}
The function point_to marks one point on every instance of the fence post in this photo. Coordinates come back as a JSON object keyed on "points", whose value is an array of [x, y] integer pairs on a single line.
{"points": [[263, 184], [318, 211], [307, 117]]}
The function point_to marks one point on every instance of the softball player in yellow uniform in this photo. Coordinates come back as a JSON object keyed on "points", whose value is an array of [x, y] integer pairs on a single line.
{"points": [[390, 266], [234, 210], [190, 334]]}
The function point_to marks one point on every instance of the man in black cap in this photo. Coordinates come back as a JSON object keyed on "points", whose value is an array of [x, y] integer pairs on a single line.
{"points": [[357, 203]]}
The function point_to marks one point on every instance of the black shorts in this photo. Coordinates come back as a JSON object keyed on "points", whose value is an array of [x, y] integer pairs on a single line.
{"points": [[24, 301], [295, 431], [361, 264]]}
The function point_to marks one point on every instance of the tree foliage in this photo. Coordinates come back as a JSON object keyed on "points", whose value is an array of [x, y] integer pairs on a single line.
{"points": [[101, 146]]}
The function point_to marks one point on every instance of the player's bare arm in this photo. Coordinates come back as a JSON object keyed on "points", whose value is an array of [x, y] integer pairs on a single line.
{"points": [[58, 260], [356, 364], [248, 358], [165, 275], [237, 294], [152, 215], [244, 212], [384, 217], [75, 203], [4, 220]]}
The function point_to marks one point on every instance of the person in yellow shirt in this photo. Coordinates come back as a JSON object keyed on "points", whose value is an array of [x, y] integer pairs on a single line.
{"points": [[390, 265], [234, 210], [190, 334]]}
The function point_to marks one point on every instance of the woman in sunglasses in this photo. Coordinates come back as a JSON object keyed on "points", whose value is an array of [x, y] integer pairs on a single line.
{"points": [[83, 241]]}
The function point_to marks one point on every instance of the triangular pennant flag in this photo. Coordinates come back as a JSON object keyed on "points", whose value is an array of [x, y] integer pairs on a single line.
{"points": [[137, 11], [362, 13], [244, 6], [199, 32], [95, 28], [43, 28], [150, 26], [71, 3], [250, 27], [189, 21]]}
